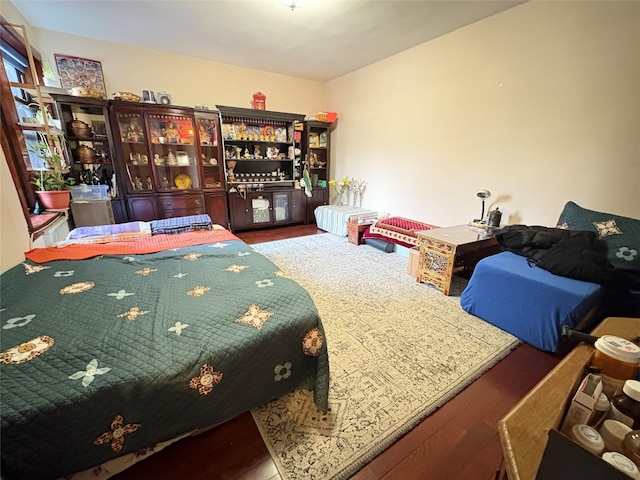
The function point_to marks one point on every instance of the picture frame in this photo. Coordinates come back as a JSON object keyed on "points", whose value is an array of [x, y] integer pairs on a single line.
{"points": [[80, 72], [99, 128], [148, 96]]}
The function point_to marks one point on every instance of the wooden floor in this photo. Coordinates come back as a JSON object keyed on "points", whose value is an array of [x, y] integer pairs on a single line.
{"points": [[459, 441]]}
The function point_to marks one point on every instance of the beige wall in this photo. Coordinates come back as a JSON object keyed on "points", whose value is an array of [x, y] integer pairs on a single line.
{"points": [[14, 237], [540, 104]]}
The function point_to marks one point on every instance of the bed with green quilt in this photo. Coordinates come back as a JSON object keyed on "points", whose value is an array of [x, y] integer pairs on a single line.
{"points": [[114, 351]]}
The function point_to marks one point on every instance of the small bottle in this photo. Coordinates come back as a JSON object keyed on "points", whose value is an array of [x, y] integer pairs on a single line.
{"points": [[600, 411], [588, 437], [622, 463], [613, 433], [625, 404], [631, 446], [618, 359]]}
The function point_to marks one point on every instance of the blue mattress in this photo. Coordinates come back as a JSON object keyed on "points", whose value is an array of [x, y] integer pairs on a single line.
{"points": [[527, 301]]}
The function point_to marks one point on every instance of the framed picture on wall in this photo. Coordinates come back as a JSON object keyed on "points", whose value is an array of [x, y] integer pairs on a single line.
{"points": [[80, 72]]}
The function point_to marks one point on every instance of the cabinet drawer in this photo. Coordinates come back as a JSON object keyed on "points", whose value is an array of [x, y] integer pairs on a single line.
{"points": [[181, 201], [180, 205]]}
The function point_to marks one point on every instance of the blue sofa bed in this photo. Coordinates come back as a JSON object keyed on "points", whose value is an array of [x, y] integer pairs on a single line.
{"points": [[511, 292]]}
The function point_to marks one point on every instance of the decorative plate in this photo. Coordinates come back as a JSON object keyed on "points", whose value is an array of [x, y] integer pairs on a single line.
{"points": [[182, 181]]}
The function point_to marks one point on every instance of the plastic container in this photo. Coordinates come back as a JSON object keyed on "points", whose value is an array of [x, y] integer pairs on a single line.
{"points": [[613, 433], [622, 463], [90, 192], [618, 360], [588, 437], [625, 404]]}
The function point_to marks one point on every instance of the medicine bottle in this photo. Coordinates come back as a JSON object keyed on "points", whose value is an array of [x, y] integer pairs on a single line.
{"points": [[613, 433], [618, 360], [625, 404], [622, 463], [600, 411], [631, 446], [588, 437]]}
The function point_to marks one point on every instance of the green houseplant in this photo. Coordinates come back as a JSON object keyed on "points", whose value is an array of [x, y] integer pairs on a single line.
{"points": [[53, 183]]}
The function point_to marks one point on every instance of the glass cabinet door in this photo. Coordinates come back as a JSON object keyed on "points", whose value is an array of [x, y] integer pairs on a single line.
{"points": [[261, 209], [212, 173], [134, 149], [281, 207], [173, 152]]}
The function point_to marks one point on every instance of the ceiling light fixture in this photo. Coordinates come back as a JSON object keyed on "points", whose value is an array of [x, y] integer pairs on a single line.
{"points": [[293, 4]]}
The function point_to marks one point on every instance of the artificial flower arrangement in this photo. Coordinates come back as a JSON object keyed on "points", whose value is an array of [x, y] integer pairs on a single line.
{"points": [[357, 188], [341, 187]]}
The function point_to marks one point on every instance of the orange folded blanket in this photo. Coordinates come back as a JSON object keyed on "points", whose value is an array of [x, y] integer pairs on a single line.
{"points": [[133, 246]]}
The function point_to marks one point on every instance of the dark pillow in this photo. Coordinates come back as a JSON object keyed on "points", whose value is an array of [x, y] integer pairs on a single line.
{"points": [[620, 234]]}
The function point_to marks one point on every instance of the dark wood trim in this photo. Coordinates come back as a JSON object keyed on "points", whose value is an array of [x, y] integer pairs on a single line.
{"points": [[14, 39], [13, 143]]}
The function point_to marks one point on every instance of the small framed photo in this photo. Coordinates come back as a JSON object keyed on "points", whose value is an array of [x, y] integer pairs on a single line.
{"points": [[99, 128], [148, 96]]}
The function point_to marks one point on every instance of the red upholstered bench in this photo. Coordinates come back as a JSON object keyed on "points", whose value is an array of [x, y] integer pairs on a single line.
{"points": [[398, 230]]}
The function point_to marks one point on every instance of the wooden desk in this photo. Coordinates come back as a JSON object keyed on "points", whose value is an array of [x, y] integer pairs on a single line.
{"points": [[444, 251], [523, 431]]}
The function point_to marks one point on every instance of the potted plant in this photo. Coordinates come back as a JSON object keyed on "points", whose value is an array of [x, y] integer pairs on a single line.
{"points": [[53, 182]]}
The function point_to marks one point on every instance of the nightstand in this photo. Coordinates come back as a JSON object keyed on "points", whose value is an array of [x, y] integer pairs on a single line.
{"points": [[444, 251], [356, 230]]}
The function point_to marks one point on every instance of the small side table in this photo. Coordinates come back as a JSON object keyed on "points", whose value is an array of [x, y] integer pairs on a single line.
{"points": [[356, 230], [449, 249]]}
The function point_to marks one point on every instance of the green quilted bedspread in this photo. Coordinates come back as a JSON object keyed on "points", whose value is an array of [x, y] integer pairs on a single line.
{"points": [[111, 355]]}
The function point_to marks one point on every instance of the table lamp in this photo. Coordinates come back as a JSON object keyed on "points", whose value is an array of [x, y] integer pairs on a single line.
{"points": [[482, 195]]}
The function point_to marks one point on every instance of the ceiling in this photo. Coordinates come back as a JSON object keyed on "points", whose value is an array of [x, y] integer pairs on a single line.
{"points": [[323, 40]]}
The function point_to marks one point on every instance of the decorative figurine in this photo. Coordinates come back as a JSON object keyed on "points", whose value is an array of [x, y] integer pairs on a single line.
{"points": [[238, 152], [230, 166], [205, 138], [149, 184], [138, 184], [134, 130], [256, 152], [157, 160], [246, 153], [170, 131], [171, 158], [165, 182]]}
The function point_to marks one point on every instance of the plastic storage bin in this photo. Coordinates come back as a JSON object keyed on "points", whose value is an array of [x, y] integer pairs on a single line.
{"points": [[90, 192]]}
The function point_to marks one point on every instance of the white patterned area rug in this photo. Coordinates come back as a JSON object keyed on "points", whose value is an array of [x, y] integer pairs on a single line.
{"points": [[398, 350]]}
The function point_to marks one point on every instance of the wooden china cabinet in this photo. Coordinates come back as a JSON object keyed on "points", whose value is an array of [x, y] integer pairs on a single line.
{"points": [[90, 146], [161, 151], [316, 140], [262, 157]]}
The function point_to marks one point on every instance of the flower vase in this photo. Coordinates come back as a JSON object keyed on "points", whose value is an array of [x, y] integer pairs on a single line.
{"points": [[356, 199], [340, 198]]}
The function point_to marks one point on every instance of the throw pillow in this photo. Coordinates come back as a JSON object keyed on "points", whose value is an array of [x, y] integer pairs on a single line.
{"points": [[620, 234]]}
